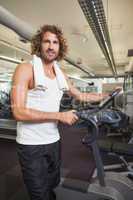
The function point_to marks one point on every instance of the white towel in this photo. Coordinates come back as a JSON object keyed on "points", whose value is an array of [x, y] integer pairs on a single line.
{"points": [[38, 68]]}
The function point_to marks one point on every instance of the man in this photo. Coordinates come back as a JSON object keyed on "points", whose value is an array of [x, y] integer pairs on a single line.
{"points": [[35, 99]]}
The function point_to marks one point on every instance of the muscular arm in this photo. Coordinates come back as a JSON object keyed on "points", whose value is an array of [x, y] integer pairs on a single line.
{"points": [[20, 86]]}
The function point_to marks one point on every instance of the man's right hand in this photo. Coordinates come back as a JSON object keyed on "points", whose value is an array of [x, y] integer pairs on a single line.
{"points": [[68, 117]]}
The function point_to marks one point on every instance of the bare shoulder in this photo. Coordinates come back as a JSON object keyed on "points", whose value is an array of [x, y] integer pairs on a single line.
{"points": [[23, 71], [24, 68]]}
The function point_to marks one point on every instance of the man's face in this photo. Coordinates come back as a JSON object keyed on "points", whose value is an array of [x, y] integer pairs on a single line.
{"points": [[49, 47]]}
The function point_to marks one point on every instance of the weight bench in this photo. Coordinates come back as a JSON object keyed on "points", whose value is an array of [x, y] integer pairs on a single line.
{"points": [[116, 147]]}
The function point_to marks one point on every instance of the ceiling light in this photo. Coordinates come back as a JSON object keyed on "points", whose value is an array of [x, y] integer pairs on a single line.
{"points": [[95, 15]]}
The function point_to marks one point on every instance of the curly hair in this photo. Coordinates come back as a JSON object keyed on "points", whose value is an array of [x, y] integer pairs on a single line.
{"points": [[37, 39]]}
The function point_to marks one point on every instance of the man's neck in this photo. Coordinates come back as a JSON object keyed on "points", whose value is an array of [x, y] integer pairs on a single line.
{"points": [[49, 69], [48, 65]]}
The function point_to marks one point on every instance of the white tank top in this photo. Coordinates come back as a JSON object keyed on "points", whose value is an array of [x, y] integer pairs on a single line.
{"points": [[47, 100]]}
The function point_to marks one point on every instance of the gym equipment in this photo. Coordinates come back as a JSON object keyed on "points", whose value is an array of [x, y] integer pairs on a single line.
{"points": [[5, 106], [112, 147], [128, 95], [109, 186], [119, 150], [66, 102]]}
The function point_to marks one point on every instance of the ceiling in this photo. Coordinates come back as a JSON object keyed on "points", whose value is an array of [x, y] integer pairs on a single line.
{"points": [[83, 47]]}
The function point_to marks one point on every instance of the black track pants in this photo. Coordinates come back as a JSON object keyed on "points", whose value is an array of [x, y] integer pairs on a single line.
{"points": [[40, 166]]}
